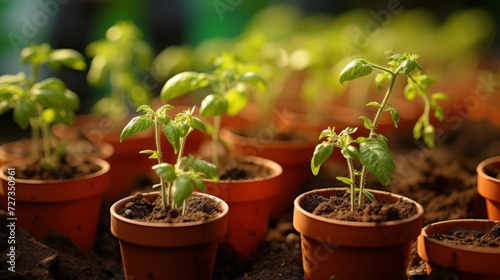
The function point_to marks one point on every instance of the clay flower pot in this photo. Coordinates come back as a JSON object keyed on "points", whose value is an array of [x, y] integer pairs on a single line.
{"points": [[355, 250], [466, 262], [251, 203], [294, 156], [69, 206], [168, 251], [489, 187]]}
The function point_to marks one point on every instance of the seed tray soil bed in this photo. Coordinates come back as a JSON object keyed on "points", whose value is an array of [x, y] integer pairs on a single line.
{"points": [[442, 179]]}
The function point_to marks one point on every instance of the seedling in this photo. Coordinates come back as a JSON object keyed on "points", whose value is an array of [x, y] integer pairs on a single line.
{"points": [[372, 151], [229, 81], [120, 61], [40, 104], [177, 182]]}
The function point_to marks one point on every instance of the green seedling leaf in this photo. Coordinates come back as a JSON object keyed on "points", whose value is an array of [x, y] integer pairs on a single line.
{"points": [[23, 112], [183, 187], [62, 116], [410, 91], [237, 99], [9, 79], [198, 124], [49, 98], [98, 70], [439, 96], [344, 180], [136, 125], [166, 171], [381, 78], [4, 106], [376, 157], [367, 122], [173, 136], [321, 153], [438, 111], [213, 105], [429, 136], [162, 113], [183, 83], [326, 132], [417, 128], [409, 65], [207, 169], [68, 58], [154, 154], [200, 185], [72, 99], [8, 90], [355, 69], [369, 195], [255, 80], [156, 186], [350, 152], [395, 116], [373, 103]]}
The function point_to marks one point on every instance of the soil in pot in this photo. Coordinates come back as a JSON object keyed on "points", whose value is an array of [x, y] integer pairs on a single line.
{"points": [[471, 237], [142, 209], [67, 168]]}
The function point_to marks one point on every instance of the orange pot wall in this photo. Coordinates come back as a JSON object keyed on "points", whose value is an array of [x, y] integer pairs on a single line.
{"points": [[468, 263], [70, 207], [168, 251], [250, 204], [355, 250], [489, 187]]}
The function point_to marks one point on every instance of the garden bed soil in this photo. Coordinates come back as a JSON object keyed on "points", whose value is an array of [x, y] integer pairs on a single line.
{"points": [[441, 179]]}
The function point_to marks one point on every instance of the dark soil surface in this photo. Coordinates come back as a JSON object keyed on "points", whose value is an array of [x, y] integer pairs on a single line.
{"points": [[66, 168], [441, 179], [236, 168], [463, 236], [142, 209], [339, 207]]}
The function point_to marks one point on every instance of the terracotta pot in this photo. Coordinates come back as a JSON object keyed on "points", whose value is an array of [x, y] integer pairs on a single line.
{"points": [[168, 251], [489, 187], [69, 206], [293, 155], [466, 262], [128, 167], [355, 250], [250, 202], [20, 149]]}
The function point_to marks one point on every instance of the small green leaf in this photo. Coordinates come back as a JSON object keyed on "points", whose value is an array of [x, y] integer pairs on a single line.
{"points": [[410, 91], [381, 78], [4, 106], [173, 136], [23, 112], [213, 105], [255, 80], [429, 136], [409, 65], [394, 116], [369, 195], [439, 96], [199, 184], [183, 187], [166, 171], [367, 122], [344, 180], [350, 152], [373, 103], [162, 113], [376, 157], [207, 169], [438, 111], [198, 124], [49, 98], [321, 153], [68, 58], [417, 128], [7, 91], [326, 132], [136, 125], [72, 99], [154, 154], [237, 99], [355, 69], [156, 186], [183, 83]]}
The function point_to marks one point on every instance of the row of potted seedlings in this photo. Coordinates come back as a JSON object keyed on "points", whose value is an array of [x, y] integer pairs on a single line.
{"points": [[226, 177]]}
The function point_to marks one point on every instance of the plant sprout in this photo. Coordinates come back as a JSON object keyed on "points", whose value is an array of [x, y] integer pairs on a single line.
{"points": [[229, 82], [120, 60], [40, 104], [178, 181], [372, 151]]}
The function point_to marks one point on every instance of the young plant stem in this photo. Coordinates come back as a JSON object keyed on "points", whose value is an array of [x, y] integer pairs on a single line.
{"points": [[353, 184], [375, 122], [44, 128], [165, 194], [215, 141]]}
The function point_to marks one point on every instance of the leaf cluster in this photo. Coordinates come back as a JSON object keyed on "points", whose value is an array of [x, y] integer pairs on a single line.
{"points": [[177, 181]]}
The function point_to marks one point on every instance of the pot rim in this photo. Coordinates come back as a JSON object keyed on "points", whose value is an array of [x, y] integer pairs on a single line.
{"points": [[105, 167], [114, 213], [480, 168], [459, 222], [420, 210]]}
